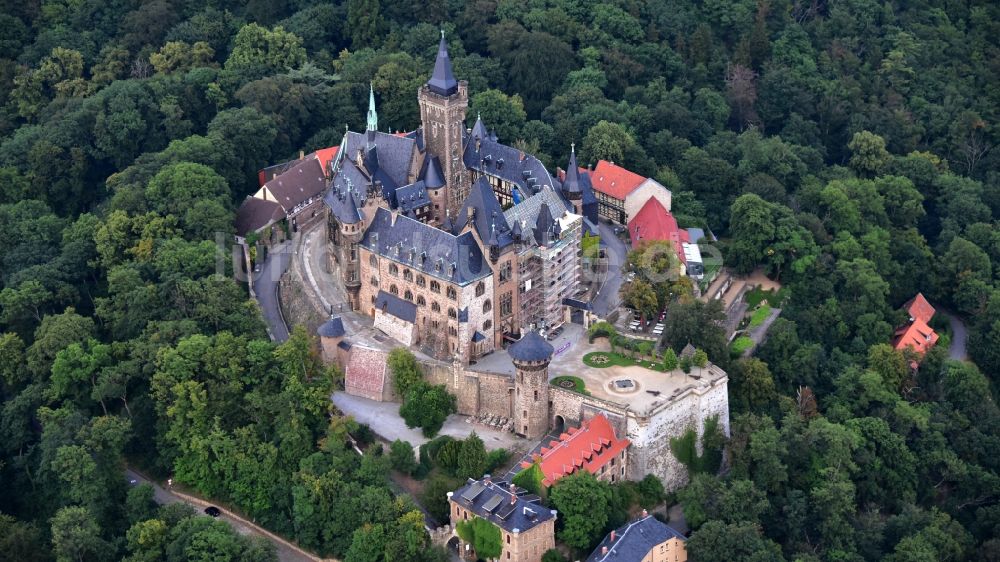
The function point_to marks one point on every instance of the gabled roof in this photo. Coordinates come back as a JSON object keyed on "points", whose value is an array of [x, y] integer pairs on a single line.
{"points": [[394, 154], [531, 347], [916, 335], [255, 214], [488, 216], [391, 304], [304, 180], [919, 309], [634, 541], [437, 253], [326, 155], [509, 509], [485, 154], [654, 222], [442, 80], [613, 180], [589, 447]]}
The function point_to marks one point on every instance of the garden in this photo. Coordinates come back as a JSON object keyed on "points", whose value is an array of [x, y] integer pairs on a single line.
{"points": [[575, 384]]}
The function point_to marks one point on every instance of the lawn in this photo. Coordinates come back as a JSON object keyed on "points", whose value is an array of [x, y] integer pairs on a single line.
{"points": [[601, 359], [759, 315], [758, 295], [565, 381], [740, 345]]}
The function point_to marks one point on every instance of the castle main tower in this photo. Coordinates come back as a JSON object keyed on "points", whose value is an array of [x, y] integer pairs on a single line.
{"points": [[443, 103], [531, 355]]}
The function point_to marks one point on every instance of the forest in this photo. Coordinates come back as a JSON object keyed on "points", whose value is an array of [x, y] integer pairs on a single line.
{"points": [[847, 147]]}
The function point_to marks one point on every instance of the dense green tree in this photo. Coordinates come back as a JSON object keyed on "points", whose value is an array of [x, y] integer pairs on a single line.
{"points": [[584, 505]]}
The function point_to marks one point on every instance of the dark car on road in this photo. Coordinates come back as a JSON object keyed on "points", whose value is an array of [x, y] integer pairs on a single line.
{"points": [[213, 511]]}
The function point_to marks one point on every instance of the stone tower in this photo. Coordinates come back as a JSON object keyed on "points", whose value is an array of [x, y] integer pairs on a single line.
{"points": [[345, 230], [443, 103], [531, 355]]}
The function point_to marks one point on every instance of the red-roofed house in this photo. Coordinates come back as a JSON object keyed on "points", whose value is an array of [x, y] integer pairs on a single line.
{"points": [[367, 374], [654, 222], [621, 193], [919, 309], [593, 447], [916, 334]]}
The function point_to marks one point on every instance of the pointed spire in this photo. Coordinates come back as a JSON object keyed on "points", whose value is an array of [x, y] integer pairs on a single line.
{"points": [[372, 115], [571, 184], [443, 81], [479, 131]]}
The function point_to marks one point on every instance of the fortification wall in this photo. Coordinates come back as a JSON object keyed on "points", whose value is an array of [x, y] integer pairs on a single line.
{"points": [[651, 435], [476, 393]]}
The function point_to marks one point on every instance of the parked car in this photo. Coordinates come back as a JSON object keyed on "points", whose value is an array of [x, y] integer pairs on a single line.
{"points": [[213, 511]]}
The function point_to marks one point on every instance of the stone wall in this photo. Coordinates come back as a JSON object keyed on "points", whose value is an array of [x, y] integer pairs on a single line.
{"points": [[650, 435], [396, 328], [476, 393]]}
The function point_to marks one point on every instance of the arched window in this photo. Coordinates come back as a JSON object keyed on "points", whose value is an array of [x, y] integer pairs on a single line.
{"points": [[435, 287], [407, 275], [421, 282], [372, 260], [393, 269], [421, 301], [487, 325], [452, 331], [408, 295], [435, 306], [451, 313], [487, 306], [480, 289], [452, 293], [394, 289], [374, 281]]}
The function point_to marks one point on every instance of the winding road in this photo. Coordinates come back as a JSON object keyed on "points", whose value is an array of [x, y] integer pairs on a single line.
{"points": [[959, 338], [285, 551], [266, 286], [607, 298]]}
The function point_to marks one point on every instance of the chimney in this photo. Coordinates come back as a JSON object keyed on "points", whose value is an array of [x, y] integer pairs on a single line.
{"points": [[604, 551], [302, 154], [612, 535], [486, 479], [645, 514]]}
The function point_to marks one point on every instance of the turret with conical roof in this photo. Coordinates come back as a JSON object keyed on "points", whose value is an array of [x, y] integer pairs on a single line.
{"points": [[571, 184], [531, 355]]}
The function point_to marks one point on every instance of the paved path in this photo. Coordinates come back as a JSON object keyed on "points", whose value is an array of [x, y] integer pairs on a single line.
{"points": [[266, 287], [286, 552], [959, 338], [607, 298], [384, 419]]}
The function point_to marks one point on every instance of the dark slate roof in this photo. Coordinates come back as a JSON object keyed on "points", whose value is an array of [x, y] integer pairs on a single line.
{"points": [[531, 347], [492, 501], [344, 205], [484, 154], [634, 541], [478, 336], [391, 304], [255, 214], [526, 215], [298, 184], [442, 80], [431, 173], [345, 345], [587, 189], [332, 328], [394, 154], [437, 253], [488, 219], [571, 185], [410, 197]]}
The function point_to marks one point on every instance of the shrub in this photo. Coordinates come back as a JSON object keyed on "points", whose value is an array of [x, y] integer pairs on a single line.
{"points": [[401, 457]]}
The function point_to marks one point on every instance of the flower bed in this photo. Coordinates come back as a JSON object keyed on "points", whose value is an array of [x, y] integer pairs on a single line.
{"points": [[570, 383]]}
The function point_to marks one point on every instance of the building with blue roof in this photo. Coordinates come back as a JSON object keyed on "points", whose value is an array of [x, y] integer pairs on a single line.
{"points": [[646, 539]]}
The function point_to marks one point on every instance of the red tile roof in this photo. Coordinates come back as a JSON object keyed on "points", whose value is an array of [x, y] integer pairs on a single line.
{"points": [[917, 335], [919, 309], [654, 222], [614, 180], [590, 447], [325, 155]]}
